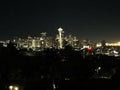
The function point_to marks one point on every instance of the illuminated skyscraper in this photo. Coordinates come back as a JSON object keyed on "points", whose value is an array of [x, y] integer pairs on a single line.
{"points": [[43, 40], [33, 43], [75, 41]]}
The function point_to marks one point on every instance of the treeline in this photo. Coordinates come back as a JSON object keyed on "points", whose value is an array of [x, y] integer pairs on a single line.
{"points": [[64, 67]]}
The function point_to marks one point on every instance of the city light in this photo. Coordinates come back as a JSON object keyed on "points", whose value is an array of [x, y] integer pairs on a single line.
{"points": [[60, 41], [13, 87], [89, 49], [113, 44], [98, 45], [67, 79]]}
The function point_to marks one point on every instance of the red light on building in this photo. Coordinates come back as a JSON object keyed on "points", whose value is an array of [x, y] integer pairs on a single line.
{"points": [[89, 49]]}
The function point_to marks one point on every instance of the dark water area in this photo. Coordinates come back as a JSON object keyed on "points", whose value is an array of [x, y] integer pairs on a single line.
{"points": [[58, 70]]}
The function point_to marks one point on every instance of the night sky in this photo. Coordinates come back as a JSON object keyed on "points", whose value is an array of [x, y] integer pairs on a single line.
{"points": [[97, 20]]}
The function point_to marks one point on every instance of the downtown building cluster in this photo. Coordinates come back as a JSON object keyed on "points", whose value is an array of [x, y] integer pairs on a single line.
{"points": [[60, 41]]}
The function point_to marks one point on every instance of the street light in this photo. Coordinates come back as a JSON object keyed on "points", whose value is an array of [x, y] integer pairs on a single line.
{"points": [[97, 70], [16, 88], [10, 87], [13, 87]]}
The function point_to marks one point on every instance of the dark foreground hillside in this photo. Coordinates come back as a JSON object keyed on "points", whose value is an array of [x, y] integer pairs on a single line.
{"points": [[53, 69]]}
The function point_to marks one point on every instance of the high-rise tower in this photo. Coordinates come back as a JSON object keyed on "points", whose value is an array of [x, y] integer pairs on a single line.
{"points": [[60, 30]]}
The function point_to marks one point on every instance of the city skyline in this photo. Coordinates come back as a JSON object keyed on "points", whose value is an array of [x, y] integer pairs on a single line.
{"points": [[87, 20]]}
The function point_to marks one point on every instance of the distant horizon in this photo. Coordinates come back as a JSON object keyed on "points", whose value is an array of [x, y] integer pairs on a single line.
{"points": [[78, 37]]}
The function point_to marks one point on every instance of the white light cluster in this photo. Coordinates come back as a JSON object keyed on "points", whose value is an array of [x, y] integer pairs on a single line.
{"points": [[113, 44], [98, 45], [13, 87]]}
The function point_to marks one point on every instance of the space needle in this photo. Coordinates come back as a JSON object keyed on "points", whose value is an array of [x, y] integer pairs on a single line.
{"points": [[60, 30]]}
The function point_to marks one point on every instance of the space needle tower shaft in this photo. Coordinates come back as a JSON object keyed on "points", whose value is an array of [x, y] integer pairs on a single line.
{"points": [[60, 30]]}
